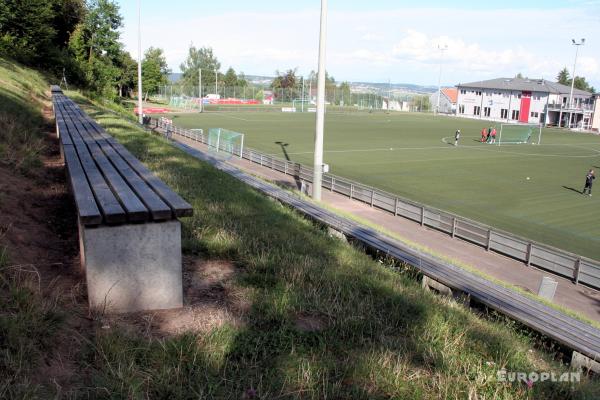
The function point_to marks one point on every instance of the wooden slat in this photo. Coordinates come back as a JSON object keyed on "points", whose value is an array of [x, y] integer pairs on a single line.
{"points": [[134, 208], [180, 207], [157, 208], [89, 213], [109, 205]]}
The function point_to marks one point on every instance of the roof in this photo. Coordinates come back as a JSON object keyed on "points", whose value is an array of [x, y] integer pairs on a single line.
{"points": [[451, 94], [532, 85]]}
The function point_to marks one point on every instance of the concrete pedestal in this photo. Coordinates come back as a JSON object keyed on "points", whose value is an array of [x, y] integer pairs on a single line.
{"points": [[132, 267]]}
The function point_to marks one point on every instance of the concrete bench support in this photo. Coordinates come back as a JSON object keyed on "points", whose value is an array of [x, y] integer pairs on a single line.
{"points": [[132, 267], [579, 362]]}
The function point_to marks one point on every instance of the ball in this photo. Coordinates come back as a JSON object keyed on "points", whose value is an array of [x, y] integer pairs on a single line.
{"points": [[391, 148], [527, 178]]}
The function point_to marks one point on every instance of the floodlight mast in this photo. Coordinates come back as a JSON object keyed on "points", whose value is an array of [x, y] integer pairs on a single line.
{"points": [[140, 110], [442, 49], [576, 44], [318, 159]]}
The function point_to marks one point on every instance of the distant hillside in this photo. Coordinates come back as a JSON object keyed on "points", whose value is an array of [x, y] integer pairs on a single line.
{"points": [[261, 80]]}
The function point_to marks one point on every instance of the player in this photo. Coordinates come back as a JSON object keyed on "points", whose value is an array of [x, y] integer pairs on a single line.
{"points": [[484, 135], [589, 180], [456, 137], [493, 133]]}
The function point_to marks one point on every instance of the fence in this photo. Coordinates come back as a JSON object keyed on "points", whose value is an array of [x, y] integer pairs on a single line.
{"points": [[572, 266]]}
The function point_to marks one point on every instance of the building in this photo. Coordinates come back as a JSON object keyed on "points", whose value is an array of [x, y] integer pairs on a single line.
{"points": [[596, 116], [523, 100], [447, 100]]}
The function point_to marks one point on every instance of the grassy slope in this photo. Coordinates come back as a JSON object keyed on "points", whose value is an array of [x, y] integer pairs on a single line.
{"points": [[380, 334], [481, 182], [28, 322]]}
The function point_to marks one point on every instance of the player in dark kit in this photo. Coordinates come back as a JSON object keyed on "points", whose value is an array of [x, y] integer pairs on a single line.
{"points": [[589, 180]]}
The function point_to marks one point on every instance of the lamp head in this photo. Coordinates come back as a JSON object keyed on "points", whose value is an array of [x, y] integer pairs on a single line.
{"points": [[573, 40]]}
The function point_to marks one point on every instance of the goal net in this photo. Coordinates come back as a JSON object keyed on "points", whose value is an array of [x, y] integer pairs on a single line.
{"points": [[222, 140], [519, 134]]}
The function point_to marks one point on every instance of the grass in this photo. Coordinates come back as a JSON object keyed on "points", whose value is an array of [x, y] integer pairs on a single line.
{"points": [[375, 332], [481, 182], [22, 95]]}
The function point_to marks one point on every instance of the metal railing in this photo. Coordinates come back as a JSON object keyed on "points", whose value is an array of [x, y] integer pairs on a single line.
{"points": [[572, 266]]}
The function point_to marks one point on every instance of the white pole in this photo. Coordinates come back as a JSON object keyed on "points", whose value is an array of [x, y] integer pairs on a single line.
{"points": [[200, 86], [442, 49], [389, 94], [573, 79], [318, 162], [140, 110], [216, 80], [302, 94]]}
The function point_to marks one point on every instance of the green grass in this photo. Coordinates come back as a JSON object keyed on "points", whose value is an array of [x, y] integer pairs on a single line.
{"points": [[380, 335], [22, 94], [481, 182]]}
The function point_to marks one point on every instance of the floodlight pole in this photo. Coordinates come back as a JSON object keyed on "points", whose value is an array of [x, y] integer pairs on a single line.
{"points": [[573, 78], [318, 161], [140, 110], [216, 82], [200, 86], [302, 101], [442, 49]]}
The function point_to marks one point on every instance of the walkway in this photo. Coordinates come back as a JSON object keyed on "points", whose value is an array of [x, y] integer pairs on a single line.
{"points": [[582, 299]]}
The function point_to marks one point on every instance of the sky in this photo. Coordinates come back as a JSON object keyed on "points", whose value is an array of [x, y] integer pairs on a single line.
{"points": [[378, 40]]}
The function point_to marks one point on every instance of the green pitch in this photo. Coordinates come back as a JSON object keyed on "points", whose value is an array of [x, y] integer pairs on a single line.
{"points": [[412, 155]]}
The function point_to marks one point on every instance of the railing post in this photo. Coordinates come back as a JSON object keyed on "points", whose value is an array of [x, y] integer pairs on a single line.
{"points": [[285, 167], [261, 160], [529, 251], [577, 267], [489, 240], [396, 207], [453, 226], [351, 190], [332, 183], [422, 215], [372, 196]]}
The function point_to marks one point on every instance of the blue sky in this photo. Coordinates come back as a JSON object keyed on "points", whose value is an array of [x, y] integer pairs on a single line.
{"points": [[378, 40]]}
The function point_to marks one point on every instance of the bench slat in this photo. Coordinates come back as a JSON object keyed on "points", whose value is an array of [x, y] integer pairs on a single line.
{"points": [[108, 203], [180, 207], [158, 209], [84, 198]]}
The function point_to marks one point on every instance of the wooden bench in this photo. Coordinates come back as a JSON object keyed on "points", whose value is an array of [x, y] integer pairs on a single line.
{"points": [[129, 233]]}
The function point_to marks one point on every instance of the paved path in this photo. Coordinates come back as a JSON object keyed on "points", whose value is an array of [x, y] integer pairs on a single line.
{"points": [[576, 297]]}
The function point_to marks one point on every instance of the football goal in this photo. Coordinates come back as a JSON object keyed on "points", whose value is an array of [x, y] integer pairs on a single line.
{"points": [[301, 104], [519, 134], [222, 140]]}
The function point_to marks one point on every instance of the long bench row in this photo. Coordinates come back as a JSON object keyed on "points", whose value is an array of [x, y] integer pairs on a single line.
{"points": [[130, 238]]}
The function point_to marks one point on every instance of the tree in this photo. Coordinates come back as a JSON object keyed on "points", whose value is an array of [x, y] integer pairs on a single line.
{"points": [[200, 58], [230, 79], [96, 47], [285, 85], [26, 30], [563, 77], [127, 80], [345, 93], [154, 70], [519, 76]]}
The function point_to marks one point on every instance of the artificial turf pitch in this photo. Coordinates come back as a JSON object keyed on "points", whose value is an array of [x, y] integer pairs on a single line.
{"points": [[412, 155]]}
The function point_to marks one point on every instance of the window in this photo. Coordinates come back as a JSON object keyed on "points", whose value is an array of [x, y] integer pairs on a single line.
{"points": [[536, 97], [519, 96], [504, 113], [534, 114], [461, 109], [463, 91], [487, 111], [476, 110], [478, 93], [504, 94], [515, 114]]}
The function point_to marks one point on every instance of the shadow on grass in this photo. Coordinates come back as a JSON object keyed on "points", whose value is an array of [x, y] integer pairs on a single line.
{"points": [[372, 333], [572, 189]]}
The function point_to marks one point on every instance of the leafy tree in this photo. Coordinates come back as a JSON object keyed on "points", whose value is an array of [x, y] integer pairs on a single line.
{"points": [[242, 81], [26, 30], [95, 44], [519, 76], [154, 70], [563, 77], [200, 58], [345, 93], [230, 78], [127, 80]]}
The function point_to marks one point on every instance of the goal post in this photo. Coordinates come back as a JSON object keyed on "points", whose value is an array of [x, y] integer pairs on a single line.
{"points": [[224, 140], [519, 134]]}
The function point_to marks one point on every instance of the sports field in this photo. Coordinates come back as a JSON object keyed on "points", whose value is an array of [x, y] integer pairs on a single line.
{"points": [[410, 154]]}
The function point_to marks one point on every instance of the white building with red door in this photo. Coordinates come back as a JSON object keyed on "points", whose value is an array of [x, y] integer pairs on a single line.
{"points": [[522, 100]]}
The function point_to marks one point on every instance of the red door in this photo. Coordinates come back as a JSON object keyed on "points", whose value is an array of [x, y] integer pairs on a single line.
{"points": [[525, 105]]}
